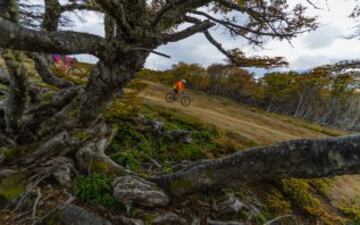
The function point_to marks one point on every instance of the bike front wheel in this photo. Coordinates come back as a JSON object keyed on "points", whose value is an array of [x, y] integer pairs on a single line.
{"points": [[185, 101], [170, 97], [75, 71]]}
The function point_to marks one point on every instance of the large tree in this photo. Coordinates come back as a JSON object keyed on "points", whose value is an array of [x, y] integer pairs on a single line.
{"points": [[69, 129]]}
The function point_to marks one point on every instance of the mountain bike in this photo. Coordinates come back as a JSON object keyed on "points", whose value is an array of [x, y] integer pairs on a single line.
{"points": [[182, 98], [74, 68], [70, 66]]}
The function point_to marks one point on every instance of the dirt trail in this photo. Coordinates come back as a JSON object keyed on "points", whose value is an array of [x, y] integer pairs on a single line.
{"points": [[256, 126], [229, 115]]}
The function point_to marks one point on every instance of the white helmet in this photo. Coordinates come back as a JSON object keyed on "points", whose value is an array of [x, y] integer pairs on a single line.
{"points": [[184, 81]]}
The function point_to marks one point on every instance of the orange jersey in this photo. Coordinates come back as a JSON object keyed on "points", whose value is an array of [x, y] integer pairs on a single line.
{"points": [[180, 85]]}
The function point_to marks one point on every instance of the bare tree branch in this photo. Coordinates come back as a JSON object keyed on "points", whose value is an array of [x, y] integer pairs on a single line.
{"points": [[42, 67], [75, 6], [173, 10], [169, 5], [199, 27], [52, 15], [238, 29], [66, 42], [238, 58], [116, 10], [218, 45], [152, 51], [313, 4]]}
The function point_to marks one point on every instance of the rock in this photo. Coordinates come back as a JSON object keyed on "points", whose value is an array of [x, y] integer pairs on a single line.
{"points": [[129, 221], [63, 171], [134, 190], [168, 218], [230, 205], [213, 222], [75, 215], [154, 126], [182, 136]]}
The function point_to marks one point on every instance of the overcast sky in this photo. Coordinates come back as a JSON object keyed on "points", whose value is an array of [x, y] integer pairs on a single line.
{"points": [[326, 45]]}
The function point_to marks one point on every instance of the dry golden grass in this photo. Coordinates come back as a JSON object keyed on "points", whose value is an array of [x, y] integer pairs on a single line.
{"points": [[228, 115]]}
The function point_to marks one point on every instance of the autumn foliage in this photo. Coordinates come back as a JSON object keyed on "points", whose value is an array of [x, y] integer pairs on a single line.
{"points": [[326, 94]]}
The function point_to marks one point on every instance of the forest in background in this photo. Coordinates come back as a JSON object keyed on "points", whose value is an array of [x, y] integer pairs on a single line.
{"points": [[328, 94]]}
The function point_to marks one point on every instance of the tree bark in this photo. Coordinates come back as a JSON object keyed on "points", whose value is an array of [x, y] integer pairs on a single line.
{"points": [[17, 92], [52, 15], [65, 42], [293, 159], [106, 80], [9, 10]]}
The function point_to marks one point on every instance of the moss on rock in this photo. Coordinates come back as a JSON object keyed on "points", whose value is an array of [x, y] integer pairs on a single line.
{"points": [[180, 186], [12, 186]]}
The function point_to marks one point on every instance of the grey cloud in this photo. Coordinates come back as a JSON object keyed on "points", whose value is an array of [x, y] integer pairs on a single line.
{"points": [[195, 49], [322, 38], [305, 62], [92, 23]]}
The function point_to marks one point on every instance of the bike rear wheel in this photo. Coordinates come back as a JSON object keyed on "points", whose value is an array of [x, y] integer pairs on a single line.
{"points": [[185, 101], [170, 97]]}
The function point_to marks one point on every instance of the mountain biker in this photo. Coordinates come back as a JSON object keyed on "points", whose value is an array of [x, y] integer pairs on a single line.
{"points": [[56, 58], [179, 86], [64, 62], [58, 61]]}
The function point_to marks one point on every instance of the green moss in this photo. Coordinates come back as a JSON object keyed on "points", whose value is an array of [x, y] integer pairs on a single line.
{"points": [[47, 97], [322, 185], [130, 159], [262, 218], [99, 167], [81, 135], [103, 167], [148, 218], [74, 113], [180, 186], [10, 153], [133, 147], [116, 110], [191, 151], [96, 189], [12, 187], [54, 218], [130, 147], [300, 193]]}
